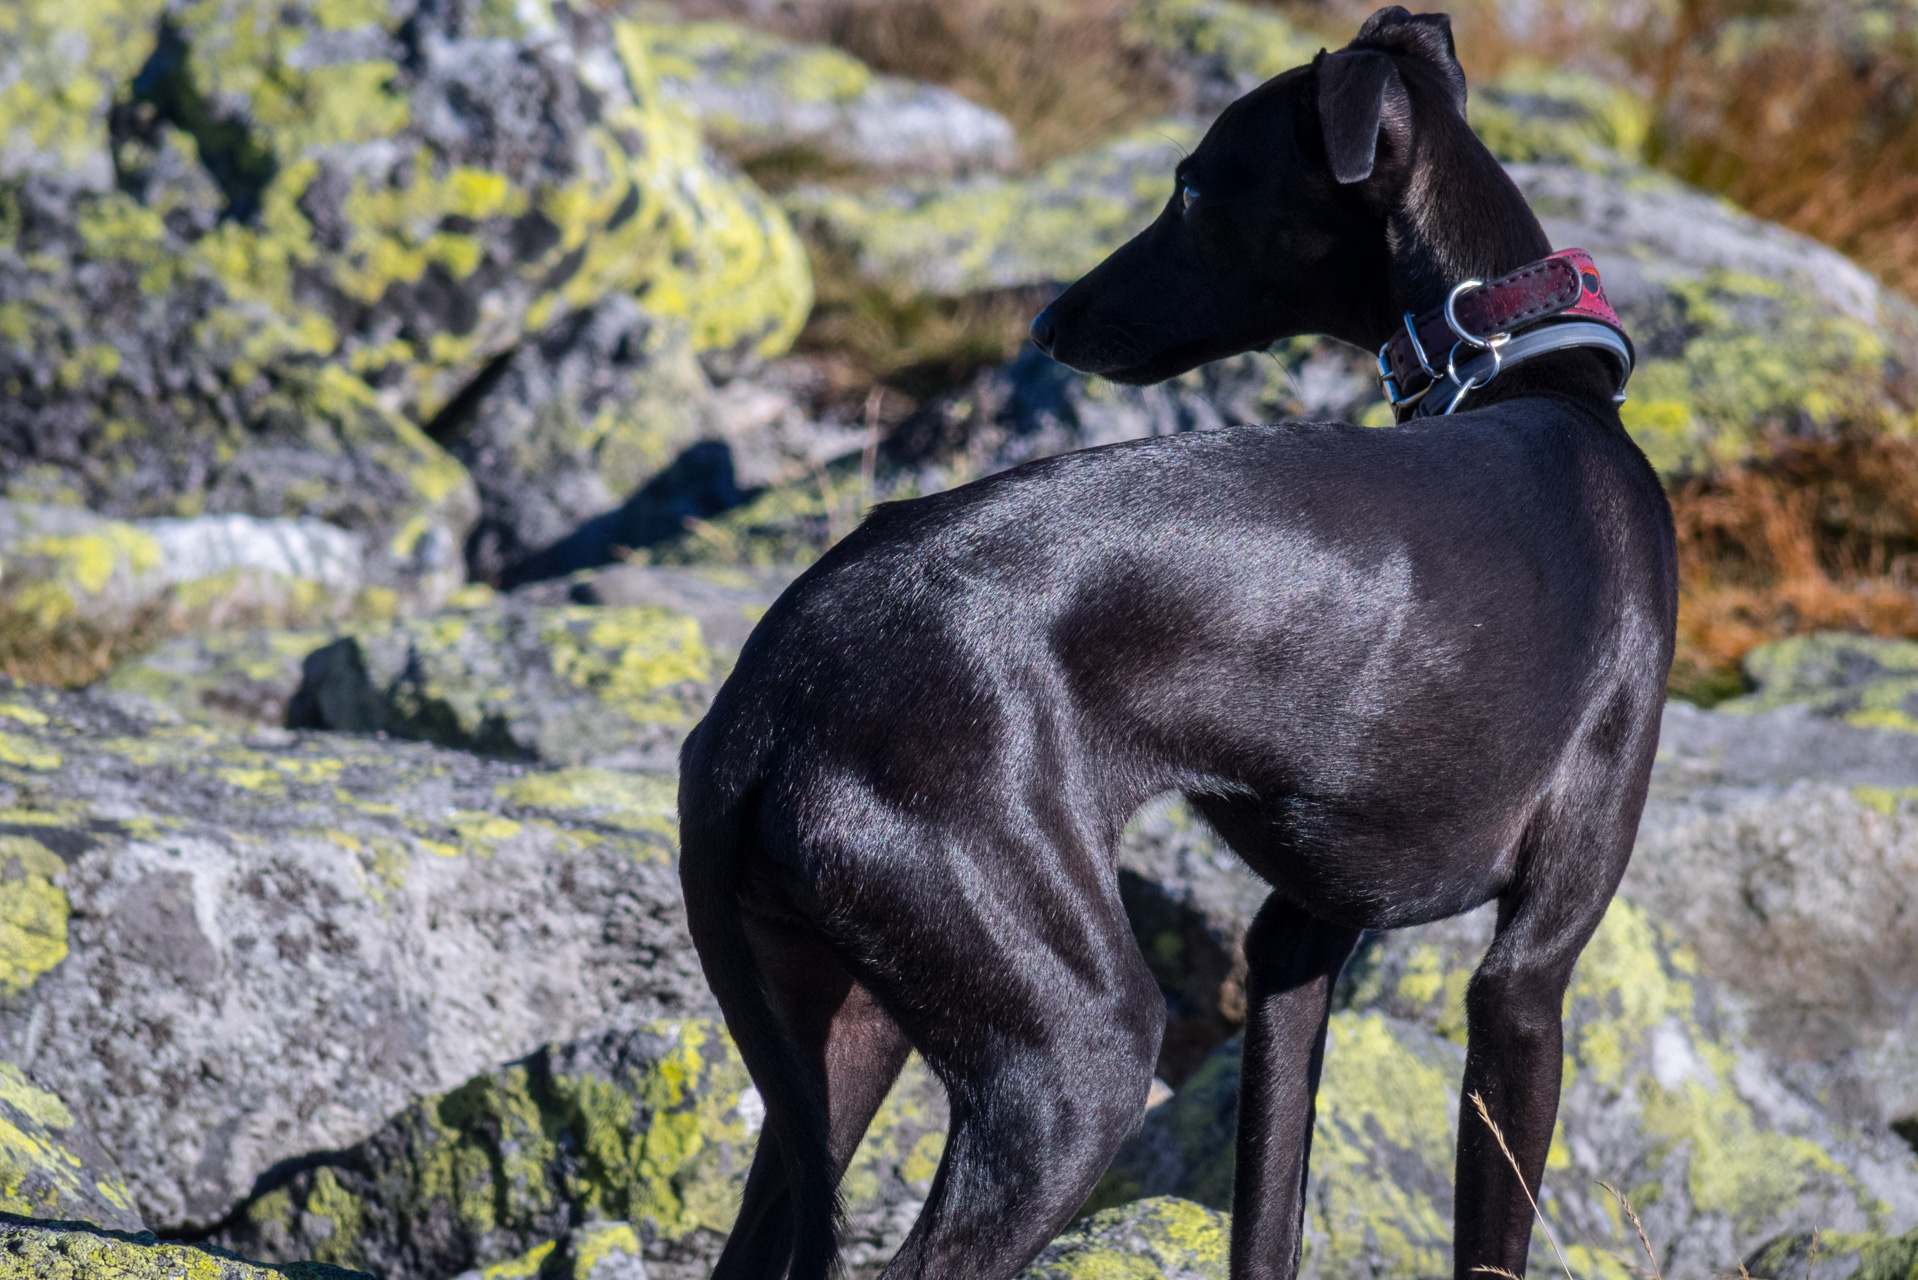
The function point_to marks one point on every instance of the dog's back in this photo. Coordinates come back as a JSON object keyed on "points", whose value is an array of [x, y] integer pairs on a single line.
{"points": [[1348, 628]]}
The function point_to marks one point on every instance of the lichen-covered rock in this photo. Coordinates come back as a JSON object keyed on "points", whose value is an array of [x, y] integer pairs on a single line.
{"points": [[50, 1166], [232, 949], [996, 233], [1158, 1239], [1835, 1255], [570, 425], [75, 1251], [653, 1127], [757, 95], [61, 566], [1743, 328], [1216, 50], [1866, 681], [614, 687], [228, 679], [1035, 407], [1660, 1098], [247, 250], [595, 1251], [1783, 850]]}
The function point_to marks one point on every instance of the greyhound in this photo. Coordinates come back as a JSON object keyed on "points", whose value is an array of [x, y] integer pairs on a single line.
{"points": [[1401, 671]]}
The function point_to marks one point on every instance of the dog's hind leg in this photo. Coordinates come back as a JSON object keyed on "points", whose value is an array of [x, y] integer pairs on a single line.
{"points": [[1570, 861], [1044, 1027], [855, 1049], [1292, 964]]}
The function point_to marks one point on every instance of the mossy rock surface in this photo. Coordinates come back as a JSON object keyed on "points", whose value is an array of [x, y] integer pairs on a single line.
{"points": [[50, 1166], [1661, 1098], [653, 1127], [1836, 1255], [816, 107], [289, 935], [1866, 681], [74, 1251], [604, 685], [249, 251], [65, 570], [1157, 1239]]}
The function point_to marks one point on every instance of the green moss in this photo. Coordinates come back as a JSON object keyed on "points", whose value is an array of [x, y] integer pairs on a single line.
{"points": [[1842, 1255], [62, 1252], [1549, 115], [952, 238], [1758, 361], [1865, 681], [48, 1169], [1246, 45], [1157, 1239]]}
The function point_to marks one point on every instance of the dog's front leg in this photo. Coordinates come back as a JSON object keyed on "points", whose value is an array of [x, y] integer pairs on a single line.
{"points": [[1292, 962]]}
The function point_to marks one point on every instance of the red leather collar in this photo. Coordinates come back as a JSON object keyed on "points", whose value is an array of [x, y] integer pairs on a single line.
{"points": [[1563, 286]]}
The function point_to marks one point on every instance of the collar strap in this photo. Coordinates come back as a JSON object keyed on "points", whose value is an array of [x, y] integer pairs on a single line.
{"points": [[1435, 360]]}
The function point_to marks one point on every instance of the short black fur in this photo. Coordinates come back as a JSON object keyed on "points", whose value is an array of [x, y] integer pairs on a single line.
{"points": [[1403, 672]]}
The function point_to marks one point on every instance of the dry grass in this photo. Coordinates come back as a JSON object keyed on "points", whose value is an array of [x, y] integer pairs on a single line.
{"points": [[1821, 536], [913, 343], [71, 654]]}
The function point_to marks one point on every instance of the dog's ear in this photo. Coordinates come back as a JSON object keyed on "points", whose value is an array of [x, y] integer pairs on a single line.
{"points": [[1425, 36], [1359, 93]]}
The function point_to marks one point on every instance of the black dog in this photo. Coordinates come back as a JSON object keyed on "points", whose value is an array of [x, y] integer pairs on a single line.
{"points": [[1403, 672]]}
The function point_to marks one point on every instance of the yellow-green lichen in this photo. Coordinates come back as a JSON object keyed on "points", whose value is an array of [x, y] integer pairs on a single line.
{"points": [[1157, 1239], [59, 1254], [1759, 361], [1866, 681], [1247, 45], [44, 1172]]}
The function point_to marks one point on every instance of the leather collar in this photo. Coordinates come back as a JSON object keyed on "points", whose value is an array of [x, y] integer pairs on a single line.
{"points": [[1435, 360]]}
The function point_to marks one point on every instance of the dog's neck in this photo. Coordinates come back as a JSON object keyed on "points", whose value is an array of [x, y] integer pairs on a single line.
{"points": [[1458, 217]]}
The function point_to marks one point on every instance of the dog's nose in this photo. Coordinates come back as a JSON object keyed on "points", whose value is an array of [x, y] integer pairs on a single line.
{"points": [[1042, 334]]}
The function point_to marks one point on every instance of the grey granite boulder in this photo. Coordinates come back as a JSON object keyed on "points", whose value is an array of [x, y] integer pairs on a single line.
{"points": [[233, 949]]}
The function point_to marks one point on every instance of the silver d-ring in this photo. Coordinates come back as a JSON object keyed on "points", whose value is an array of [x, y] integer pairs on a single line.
{"points": [[1451, 317], [1451, 364]]}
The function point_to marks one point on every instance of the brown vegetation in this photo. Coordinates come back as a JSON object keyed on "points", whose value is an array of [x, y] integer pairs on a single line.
{"points": [[1821, 536]]}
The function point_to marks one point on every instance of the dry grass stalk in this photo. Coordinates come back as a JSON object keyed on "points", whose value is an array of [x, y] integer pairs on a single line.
{"points": [[1631, 1215], [1485, 1114]]}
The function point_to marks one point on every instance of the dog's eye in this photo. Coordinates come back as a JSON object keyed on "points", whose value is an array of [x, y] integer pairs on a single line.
{"points": [[1187, 194]]}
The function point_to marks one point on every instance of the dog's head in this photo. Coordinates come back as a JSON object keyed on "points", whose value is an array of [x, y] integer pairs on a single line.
{"points": [[1283, 221]]}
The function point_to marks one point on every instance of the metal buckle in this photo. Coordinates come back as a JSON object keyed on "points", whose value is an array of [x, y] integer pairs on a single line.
{"points": [[1418, 348], [1391, 386]]}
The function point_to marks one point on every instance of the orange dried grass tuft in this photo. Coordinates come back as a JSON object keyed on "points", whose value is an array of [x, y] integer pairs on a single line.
{"points": [[1821, 536]]}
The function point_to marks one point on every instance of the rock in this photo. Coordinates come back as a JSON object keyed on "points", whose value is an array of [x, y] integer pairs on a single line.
{"points": [[1835, 1255], [72, 1251], [1217, 51], [758, 96], [50, 1166], [611, 686], [1157, 1238], [652, 1127], [1661, 1097], [596, 1251], [992, 232], [62, 565], [1743, 329], [1866, 681], [1783, 850], [1035, 407], [263, 945], [266, 245], [570, 425], [228, 679]]}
